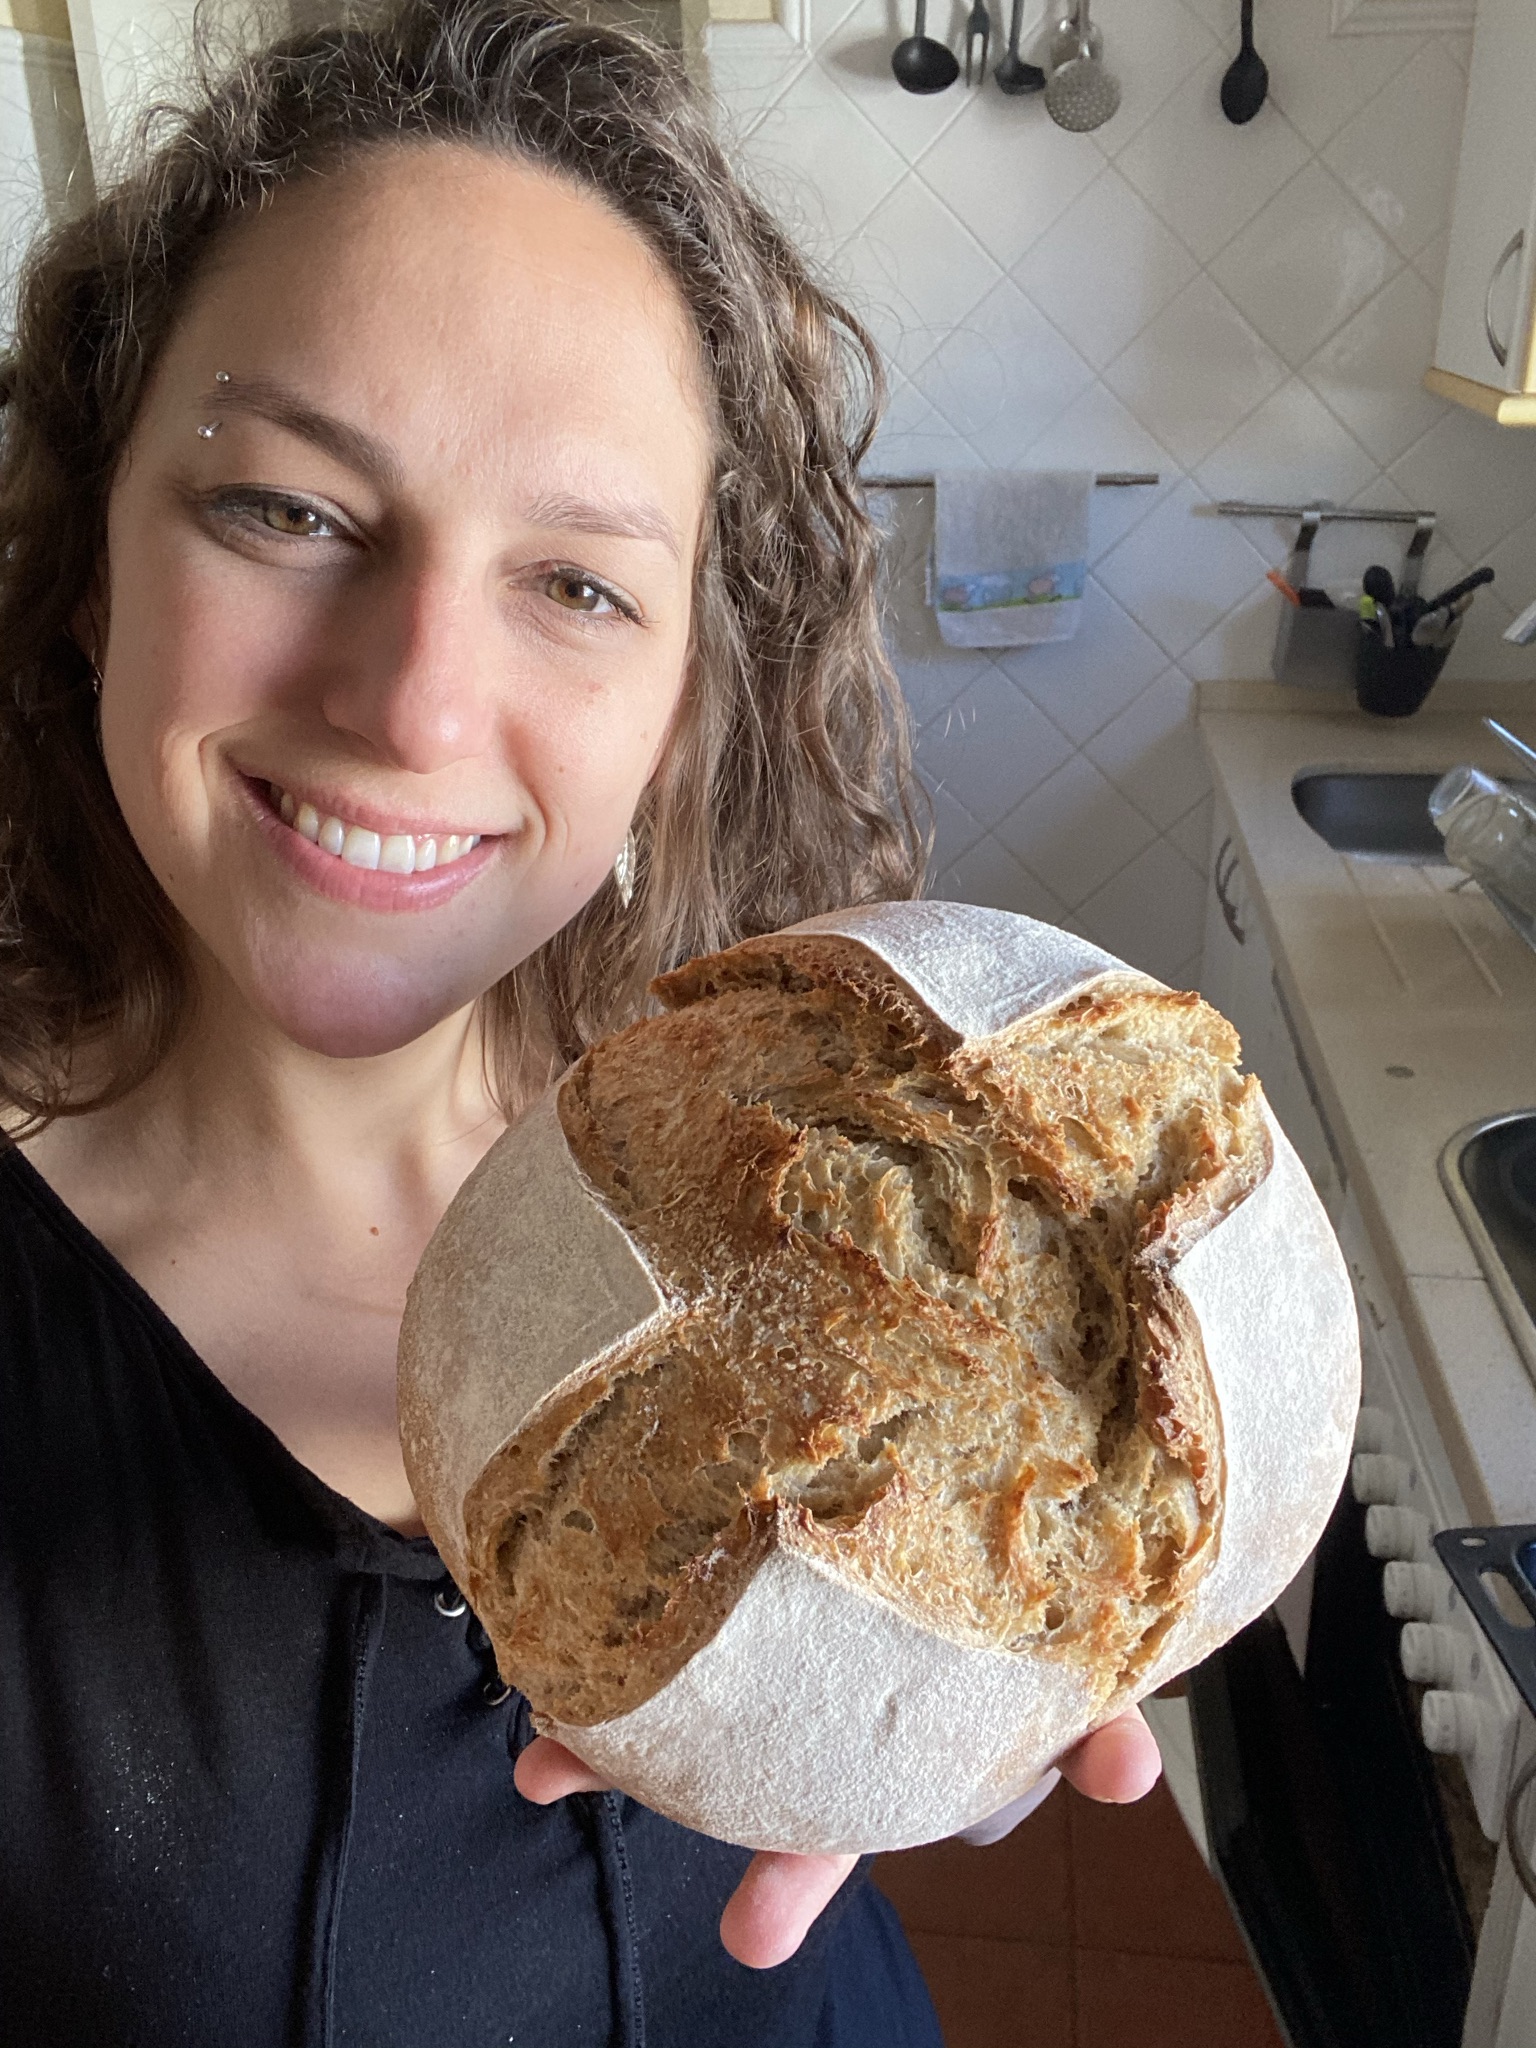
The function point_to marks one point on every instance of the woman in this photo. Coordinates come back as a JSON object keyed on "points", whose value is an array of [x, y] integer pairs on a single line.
{"points": [[427, 484]]}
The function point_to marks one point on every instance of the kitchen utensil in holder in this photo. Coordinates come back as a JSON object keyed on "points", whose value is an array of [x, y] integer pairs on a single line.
{"points": [[1392, 682], [1315, 646], [1319, 645]]}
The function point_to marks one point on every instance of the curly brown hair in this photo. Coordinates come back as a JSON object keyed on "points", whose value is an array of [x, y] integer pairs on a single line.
{"points": [[786, 788]]}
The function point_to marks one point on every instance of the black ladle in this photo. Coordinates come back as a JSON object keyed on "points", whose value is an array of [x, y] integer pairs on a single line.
{"points": [[1013, 75], [921, 64], [1247, 80]]}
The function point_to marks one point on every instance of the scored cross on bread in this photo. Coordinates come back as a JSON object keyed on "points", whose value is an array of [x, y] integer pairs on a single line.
{"points": [[906, 1407]]}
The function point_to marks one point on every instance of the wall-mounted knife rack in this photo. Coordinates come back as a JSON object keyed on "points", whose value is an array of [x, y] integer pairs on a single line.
{"points": [[1318, 648], [1319, 510]]}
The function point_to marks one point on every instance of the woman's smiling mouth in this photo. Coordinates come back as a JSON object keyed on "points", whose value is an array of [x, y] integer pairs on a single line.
{"points": [[394, 853]]}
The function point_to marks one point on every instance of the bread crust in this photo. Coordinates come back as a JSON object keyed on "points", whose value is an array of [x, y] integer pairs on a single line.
{"points": [[691, 1130], [893, 1401]]}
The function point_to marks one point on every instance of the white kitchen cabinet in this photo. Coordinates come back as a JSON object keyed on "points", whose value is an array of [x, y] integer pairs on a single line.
{"points": [[1485, 351], [1238, 976]]}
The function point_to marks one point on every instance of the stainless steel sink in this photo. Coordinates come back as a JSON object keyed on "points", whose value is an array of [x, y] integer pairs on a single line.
{"points": [[1380, 814], [1489, 1172], [1386, 815]]}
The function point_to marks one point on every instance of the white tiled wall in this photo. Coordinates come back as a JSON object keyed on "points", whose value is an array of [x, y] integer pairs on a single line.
{"points": [[1247, 311]]}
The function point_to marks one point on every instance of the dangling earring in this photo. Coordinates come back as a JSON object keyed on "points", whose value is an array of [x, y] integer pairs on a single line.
{"points": [[624, 870]]}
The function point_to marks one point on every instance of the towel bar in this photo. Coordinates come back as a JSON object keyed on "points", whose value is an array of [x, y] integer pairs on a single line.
{"points": [[1109, 480]]}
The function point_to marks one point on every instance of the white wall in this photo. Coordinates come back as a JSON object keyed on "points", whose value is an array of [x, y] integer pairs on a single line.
{"points": [[44, 169], [1247, 311]]}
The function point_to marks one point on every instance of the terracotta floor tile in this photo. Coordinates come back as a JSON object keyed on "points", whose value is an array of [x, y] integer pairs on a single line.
{"points": [[1151, 2001], [1141, 1884], [1019, 1889], [999, 1994]]}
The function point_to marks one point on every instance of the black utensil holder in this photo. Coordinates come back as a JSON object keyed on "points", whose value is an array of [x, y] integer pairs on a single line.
{"points": [[1392, 682]]}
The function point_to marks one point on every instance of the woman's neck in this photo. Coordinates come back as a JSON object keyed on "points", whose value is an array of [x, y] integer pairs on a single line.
{"points": [[275, 1204]]}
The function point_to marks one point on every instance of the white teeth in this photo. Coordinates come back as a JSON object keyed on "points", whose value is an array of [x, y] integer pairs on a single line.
{"points": [[394, 853], [360, 849]]}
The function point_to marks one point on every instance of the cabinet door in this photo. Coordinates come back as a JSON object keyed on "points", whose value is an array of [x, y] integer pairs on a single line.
{"points": [[1495, 204], [1238, 976]]}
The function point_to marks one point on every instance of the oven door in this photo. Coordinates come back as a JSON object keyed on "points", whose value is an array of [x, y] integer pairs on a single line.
{"points": [[1325, 1819]]}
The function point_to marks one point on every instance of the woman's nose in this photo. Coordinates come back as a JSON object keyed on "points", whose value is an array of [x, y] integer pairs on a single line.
{"points": [[417, 681]]}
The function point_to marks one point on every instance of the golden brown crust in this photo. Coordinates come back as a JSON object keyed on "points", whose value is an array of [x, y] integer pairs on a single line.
{"points": [[927, 1335]]}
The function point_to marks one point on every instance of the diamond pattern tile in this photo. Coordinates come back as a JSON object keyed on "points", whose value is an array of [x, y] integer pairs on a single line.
{"points": [[1398, 154], [1082, 683], [1288, 450], [817, 160], [1370, 373], [992, 742], [1007, 173], [1204, 177], [1318, 79], [1002, 377], [1152, 751], [1152, 50], [1177, 574], [914, 272], [1196, 371], [1192, 833], [1075, 831], [1105, 269], [1305, 264], [988, 873], [1480, 480], [1152, 913]]}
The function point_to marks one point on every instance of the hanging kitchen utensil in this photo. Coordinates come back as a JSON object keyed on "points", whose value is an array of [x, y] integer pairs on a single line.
{"points": [[921, 64], [978, 39], [1081, 94], [1013, 75], [1247, 79], [1066, 43]]}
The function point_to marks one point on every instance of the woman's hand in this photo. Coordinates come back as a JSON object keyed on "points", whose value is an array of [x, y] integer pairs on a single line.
{"points": [[771, 1910]]}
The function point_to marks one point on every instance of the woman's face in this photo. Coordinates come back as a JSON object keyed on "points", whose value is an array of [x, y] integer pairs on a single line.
{"points": [[399, 563]]}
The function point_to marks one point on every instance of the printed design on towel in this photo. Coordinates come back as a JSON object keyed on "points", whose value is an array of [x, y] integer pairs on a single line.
{"points": [[981, 592]]}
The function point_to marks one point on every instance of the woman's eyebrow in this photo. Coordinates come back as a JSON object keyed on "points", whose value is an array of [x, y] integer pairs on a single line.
{"points": [[269, 400], [620, 516]]}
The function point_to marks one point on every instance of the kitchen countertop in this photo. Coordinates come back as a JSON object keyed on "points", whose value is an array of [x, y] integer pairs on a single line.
{"points": [[1384, 970]]}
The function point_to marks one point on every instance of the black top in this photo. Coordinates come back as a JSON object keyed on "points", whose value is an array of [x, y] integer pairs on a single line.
{"points": [[257, 1790]]}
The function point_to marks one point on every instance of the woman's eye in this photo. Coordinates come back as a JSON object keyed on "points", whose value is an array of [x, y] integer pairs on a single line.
{"points": [[290, 517], [578, 593]]}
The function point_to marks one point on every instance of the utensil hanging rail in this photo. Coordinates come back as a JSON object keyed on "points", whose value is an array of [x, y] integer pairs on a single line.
{"points": [[1109, 480], [1232, 508]]}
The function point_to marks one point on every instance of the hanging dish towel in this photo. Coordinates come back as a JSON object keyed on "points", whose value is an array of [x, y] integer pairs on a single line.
{"points": [[1010, 556]]}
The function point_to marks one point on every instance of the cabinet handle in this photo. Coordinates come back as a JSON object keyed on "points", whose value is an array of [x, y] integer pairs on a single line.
{"points": [[1223, 877], [1512, 248]]}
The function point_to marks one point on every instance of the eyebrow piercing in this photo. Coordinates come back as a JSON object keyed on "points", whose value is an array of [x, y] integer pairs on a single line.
{"points": [[221, 376], [207, 433]]}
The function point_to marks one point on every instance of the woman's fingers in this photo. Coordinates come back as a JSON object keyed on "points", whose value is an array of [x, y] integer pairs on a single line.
{"points": [[546, 1771], [770, 1912], [1118, 1762]]}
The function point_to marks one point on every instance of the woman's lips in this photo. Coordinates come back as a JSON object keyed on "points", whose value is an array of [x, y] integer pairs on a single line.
{"points": [[364, 887]]}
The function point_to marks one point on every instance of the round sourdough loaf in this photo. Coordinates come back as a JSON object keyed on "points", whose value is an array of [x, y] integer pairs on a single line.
{"points": [[850, 1387]]}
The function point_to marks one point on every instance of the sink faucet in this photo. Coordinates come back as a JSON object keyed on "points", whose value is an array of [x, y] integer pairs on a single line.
{"points": [[1522, 631]]}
